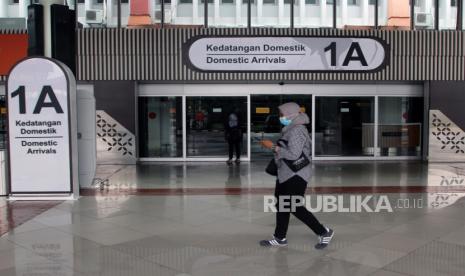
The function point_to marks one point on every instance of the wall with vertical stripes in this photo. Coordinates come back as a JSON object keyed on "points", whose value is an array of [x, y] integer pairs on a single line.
{"points": [[156, 55]]}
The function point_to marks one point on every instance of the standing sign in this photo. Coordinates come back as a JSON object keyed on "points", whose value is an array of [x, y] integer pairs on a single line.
{"points": [[41, 95], [286, 53]]}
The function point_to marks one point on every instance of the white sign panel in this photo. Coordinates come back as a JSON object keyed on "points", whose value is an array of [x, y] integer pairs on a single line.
{"points": [[306, 54], [38, 92]]}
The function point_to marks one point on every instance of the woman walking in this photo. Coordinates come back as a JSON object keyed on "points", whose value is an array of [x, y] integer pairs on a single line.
{"points": [[294, 144]]}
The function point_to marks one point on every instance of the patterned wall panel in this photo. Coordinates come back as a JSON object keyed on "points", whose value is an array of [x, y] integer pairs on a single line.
{"points": [[115, 144], [446, 139], [450, 176], [156, 55]]}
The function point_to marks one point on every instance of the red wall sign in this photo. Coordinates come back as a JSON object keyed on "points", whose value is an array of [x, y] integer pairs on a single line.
{"points": [[13, 47]]}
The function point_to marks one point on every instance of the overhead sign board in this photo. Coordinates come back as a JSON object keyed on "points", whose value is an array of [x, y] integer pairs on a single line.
{"points": [[41, 127], [285, 53]]}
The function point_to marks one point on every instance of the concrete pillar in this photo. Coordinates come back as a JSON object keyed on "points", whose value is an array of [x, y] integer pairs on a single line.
{"points": [[323, 15], [109, 12], [174, 7], [365, 13], [22, 8], [281, 12], [344, 8], [47, 25], [195, 11], [88, 4], [302, 12], [445, 15], [238, 12], [259, 12], [216, 12], [427, 6]]}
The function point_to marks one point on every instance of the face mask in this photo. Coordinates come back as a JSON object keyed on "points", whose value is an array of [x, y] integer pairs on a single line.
{"points": [[285, 121]]}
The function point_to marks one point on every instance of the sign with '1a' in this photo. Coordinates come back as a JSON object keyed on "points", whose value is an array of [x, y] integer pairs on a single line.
{"points": [[41, 96]]}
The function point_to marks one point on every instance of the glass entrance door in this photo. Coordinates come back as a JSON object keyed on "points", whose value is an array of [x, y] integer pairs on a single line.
{"points": [[344, 126], [206, 118], [160, 127], [265, 119]]}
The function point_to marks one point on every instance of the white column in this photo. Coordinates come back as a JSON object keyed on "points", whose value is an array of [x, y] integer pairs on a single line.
{"points": [[174, 8], [281, 12], [302, 10], [384, 12], [238, 12], [109, 12], [195, 11], [365, 12], [152, 10], [259, 12], [216, 12], [47, 25], [344, 19], [22, 8], [3, 8], [88, 4], [445, 13], [323, 15], [427, 6]]}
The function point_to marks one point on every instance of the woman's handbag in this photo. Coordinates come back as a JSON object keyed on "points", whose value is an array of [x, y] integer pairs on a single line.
{"points": [[298, 164], [272, 168]]}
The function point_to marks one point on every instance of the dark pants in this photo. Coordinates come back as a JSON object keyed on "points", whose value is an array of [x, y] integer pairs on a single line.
{"points": [[295, 186], [234, 145]]}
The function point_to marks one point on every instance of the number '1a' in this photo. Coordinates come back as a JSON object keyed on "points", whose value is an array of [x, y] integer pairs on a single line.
{"points": [[22, 98]]}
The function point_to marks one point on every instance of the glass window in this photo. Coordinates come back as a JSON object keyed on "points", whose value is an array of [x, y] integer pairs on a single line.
{"points": [[353, 2], [160, 127], [344, 126], [99, 13], [447, 15], [13, 14], [312, 14], [394, 18], [228, 13], [271, 13], [424, 14], [400, 126], [206, 120], [353, 13]]}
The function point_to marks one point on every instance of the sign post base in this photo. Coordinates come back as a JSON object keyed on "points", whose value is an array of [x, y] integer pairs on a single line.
{"points": [[50, 197]]}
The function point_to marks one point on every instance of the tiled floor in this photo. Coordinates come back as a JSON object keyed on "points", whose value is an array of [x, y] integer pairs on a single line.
{"points": [[182, 235], [251, 175], [218, 235]]}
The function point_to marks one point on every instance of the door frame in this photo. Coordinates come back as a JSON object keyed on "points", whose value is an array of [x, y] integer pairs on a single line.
{"points": [[184, 91], [375, 90]]}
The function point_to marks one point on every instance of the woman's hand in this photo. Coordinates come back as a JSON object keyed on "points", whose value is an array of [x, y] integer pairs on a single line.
{"points": [[267, 144]]}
